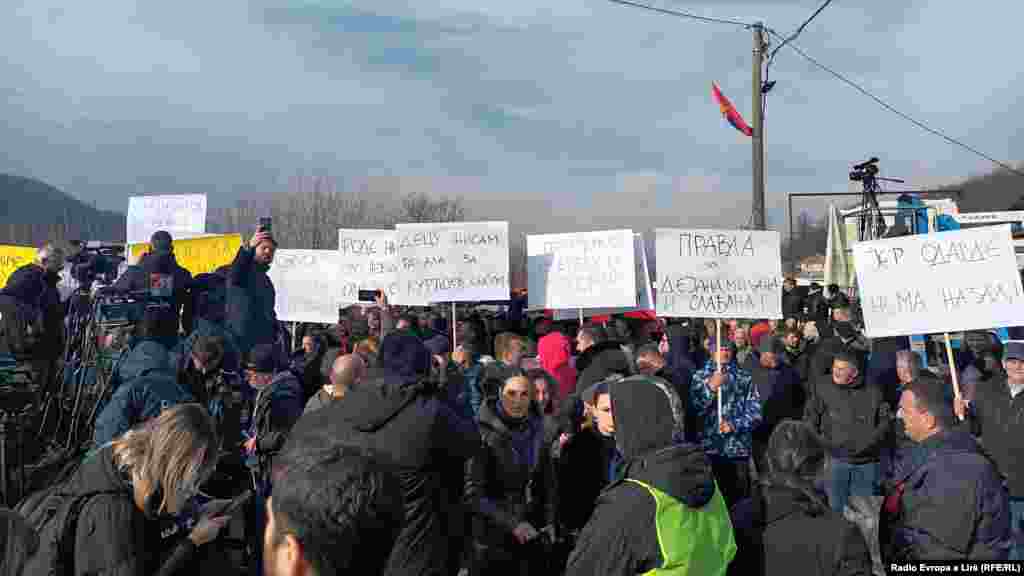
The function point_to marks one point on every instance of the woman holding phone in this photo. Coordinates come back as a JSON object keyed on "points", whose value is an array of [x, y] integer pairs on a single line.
{"points": [[125, 490]]}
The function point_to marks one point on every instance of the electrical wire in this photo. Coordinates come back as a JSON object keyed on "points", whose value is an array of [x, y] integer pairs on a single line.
{"points": [[799, 30], [903, 115], [682, 14]]}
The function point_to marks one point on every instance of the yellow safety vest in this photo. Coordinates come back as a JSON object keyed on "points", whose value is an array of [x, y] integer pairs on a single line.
{"points": [[693, 542]]}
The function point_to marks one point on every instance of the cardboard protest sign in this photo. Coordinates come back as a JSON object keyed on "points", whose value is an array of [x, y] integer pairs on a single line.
{"points": [[181, 216], [12, 258], [940, 282], [581, 270], [644, 294], [199, 255], [308, 284], [719, 273], [452, 262], [368, 262]]}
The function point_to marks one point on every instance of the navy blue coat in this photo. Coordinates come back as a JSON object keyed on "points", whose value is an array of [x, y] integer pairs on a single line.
{"points": [[135, 402], [949, 503], [143, 357], [250, 312]]}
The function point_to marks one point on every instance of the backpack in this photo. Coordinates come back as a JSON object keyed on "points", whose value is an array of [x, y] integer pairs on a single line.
{"points": [[53, 512], [55, 519], [21, 326]]}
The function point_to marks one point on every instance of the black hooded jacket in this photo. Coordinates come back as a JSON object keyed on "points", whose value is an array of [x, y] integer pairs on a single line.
{"points": [[621, 537], [410, 429], [136, 279]]}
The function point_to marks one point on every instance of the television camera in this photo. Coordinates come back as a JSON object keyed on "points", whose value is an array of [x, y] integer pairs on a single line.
{"points": [[871, 223], [95, 260], [864, 171]]}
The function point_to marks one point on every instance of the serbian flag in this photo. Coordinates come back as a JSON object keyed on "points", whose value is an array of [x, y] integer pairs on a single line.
{"points": [[729, 111]]}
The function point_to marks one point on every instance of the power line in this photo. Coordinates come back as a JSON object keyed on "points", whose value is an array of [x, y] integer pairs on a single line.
{"points": [[906, 117], [682, 14], [799, 30]]}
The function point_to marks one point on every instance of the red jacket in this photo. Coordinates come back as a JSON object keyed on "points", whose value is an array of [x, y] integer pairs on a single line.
{"points": [[554, 352]]}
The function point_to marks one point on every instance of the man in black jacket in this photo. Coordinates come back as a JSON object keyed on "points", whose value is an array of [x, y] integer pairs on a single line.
{"points": [[399, 418], [250, 314], [34, 286], [599, 357], [845, 338], [853, 418], [666, 512], [948, 501], [792, 302], [159, 274], [997, 415], [779, 388]]}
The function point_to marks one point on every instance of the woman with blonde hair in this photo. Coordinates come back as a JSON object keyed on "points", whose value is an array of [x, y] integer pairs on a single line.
{"points": [[120, 491]]}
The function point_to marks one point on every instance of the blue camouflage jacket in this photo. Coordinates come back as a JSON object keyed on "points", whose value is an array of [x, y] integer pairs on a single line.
{"points": [[741, 408]]}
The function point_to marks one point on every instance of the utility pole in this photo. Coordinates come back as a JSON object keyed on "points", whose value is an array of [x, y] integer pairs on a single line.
{"points": [[758, 136]]}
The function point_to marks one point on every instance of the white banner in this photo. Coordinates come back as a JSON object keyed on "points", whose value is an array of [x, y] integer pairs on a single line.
{"points": [[309, 285], [719, 273], [581, 270], [181, 216], [989, 217], [368, 262], [941, 282], [644, 294], [452, 262]]}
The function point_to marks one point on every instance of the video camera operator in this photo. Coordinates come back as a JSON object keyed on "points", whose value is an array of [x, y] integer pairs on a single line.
{"points": [[158, 273], [34, 287]]}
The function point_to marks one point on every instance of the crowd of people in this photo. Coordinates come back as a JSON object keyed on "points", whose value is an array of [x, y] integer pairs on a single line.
{"points": [[398, 442]]}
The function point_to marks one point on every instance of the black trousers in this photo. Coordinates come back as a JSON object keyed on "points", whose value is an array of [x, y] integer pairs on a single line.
{"points": [[733, 477]]}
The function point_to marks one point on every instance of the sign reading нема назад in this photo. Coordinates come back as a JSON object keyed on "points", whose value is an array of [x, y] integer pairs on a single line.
{"points": [[940, 282], [718, 273]]}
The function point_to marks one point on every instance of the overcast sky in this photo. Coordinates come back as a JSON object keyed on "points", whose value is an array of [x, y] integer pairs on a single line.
{"points": [[571, 114]]}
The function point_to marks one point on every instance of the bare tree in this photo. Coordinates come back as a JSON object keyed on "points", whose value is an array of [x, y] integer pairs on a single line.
{"points": [[309, 215]]}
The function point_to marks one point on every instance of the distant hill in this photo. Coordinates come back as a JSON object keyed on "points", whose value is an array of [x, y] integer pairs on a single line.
{"points": [[32, 212]]}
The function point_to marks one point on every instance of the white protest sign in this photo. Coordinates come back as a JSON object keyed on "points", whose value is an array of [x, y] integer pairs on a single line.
{"points": [[309, 285], [181, 216], [368, 262], [452, 262], [644, 294], [719, 273], [940, 282], [581, 270]]}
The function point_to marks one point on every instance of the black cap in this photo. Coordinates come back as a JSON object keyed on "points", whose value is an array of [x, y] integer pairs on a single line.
{"points": [[161, 242], [1013, 351], [262, 359]]}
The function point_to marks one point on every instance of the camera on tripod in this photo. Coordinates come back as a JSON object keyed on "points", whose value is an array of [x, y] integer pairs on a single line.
{"points": [[864, 170], [95, 260]]}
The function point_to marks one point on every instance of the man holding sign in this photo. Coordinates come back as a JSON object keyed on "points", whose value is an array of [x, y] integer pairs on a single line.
{"points": [[727, 436]]}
